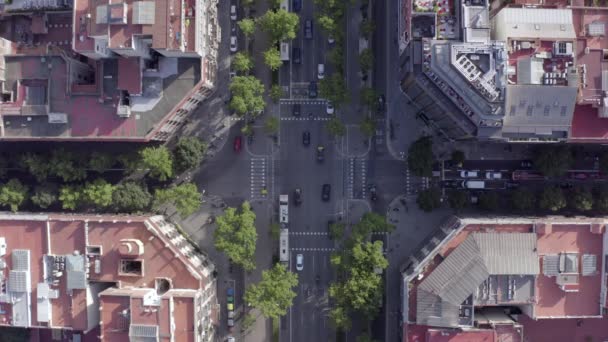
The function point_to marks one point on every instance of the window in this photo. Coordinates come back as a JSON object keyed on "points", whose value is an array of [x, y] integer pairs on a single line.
{"points": [[131, 267]]}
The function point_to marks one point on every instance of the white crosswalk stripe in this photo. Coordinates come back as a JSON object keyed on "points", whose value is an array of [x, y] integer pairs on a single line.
{"points": [[308, 233], [258, 172], [303, 101], [351, 179], [305, 119], [363, 166]]}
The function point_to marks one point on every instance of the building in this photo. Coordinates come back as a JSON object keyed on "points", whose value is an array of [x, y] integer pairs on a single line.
{"points": [[500, 279], [104, 278], [105, 70]]}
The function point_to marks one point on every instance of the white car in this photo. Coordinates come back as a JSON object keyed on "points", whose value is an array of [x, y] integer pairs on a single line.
{"points": [[330, 40], [330, 108], [321, 71], [299, 262], [232, 12], [468, 174], [230, 339], [493, 175], [233, 44]]}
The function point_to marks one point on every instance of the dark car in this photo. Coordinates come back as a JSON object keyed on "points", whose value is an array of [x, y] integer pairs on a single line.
{"points": [[512, 185], [325, 192], [296, 54], [306, 138], [452, 184], [297, 109], [237, 143], [526, 164], [373, 193], [297, 5], [566, 185], [297, 196], [320, 153], [312, 90], [381, 103], [308, 29]]}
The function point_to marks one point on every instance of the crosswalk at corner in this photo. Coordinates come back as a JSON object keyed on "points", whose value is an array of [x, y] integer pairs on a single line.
{"points": [[258, 171], [351, 179], [363, 166]]}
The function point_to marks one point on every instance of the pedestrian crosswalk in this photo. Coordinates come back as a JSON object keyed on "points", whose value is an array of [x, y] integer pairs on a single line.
{"points": [[308, 233], [305, 119], [258, 169], [312, 249], [350, 191], [363, 168], [303, 101]]}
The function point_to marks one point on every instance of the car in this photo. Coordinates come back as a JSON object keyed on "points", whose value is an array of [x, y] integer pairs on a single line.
{"points": [[299, 262], [308, 29], [296, 110], [373, 193], [330, 40], [230, 314], [230, 322], [232, 43], [312, 90], [566, 185], [321, 71], [330, 108], [320, 153], [452, 184], [381, 103], [325, 192], [526, 164], [297, 5], [493, 175], [297, 197], [296, 54], [233, 12], [230, 306], [230, 294], [306, 138], [238, 141], [230, 339], [512, 185], [468, 174]]}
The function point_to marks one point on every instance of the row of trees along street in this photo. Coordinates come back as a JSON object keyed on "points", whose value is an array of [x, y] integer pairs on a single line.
{"points": [[136, 181]]}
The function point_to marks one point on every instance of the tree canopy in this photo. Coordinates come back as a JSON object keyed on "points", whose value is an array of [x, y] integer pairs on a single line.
{"points": [[274, 294], [247, 95], [272, 58], [489, 201], [13, 194], [70, 196], [236, 235], [188, 153], [158, 161], [100, 162], [247, 26], [275, 93], [271, 125], [184, 197], [280, 24], [333, 88], [366, 59], [131, 197], [98, 193], [523, 199], [368, 126], [45, 195], [420, 157], [36, 164], [458, 200], [67, 165], [368, 97], [335, 127], [552, 198], [582, 200], [242, 62], [553, 161], [429, 199]]}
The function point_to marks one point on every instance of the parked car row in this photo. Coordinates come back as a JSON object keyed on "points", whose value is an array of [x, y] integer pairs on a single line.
{"points": [[477, 174], [230, 306]]}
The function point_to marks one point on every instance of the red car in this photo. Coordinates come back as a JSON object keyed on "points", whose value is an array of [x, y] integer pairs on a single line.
{"points": [[237, 143]]}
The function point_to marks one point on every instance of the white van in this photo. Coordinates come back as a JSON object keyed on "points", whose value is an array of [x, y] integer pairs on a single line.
{"points": [[321, 71]]}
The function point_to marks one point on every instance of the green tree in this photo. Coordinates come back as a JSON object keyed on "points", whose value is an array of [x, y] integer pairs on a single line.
{"points": [[601, 201], [367, 28], [247, 26], [582, 200], [248, 321], [236, 235], [36, 164], [369, 97], [336, 230], [98, 193], [158, 161], [458, 200], [13, 194], [184, 197], [327, 23], [366, 59], [129, 161], [458, 157], [429, 200], [247, 95], [100, 162], [131, 197], [45, 195], [70, 197], [523, 199], [280, 25], [272, 58], [274, 294], [334, 89], [420, 157], [553, 161], [275, 93], [275, 231], [489, 201], [67, 165], [368, 126], [335, 56], [552, 198], [271, 125], [247, 130], [242, 62], [340, 318], [188, 153], [370, 223], [335, 127]]}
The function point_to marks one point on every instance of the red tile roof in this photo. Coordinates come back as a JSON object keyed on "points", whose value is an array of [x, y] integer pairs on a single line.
{"points": [[129, 75]]}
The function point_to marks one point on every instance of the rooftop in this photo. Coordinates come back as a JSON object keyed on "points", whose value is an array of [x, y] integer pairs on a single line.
{"points": [[121, 271]]}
